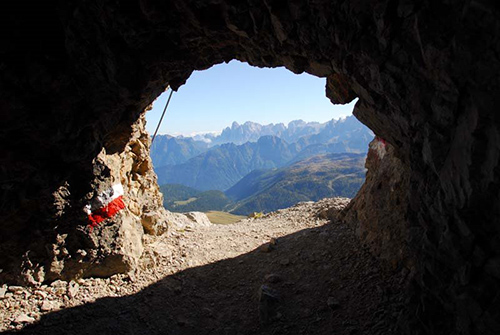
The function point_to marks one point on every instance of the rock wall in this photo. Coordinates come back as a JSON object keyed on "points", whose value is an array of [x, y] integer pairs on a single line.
{"points": [[79, 248], [76, 76], [117, 243], [379, 210]]}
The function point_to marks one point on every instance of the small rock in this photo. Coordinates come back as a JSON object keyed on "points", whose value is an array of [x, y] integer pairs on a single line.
{"points": [[3, 290], [81, 252], [272, 278], [73, 289], [59, 283], [266, 248], [131, 277], [48, 306], [285, 261], [59, 287], [268, 301], [41, 294], [16, 289], [333, 303], [255, 215], [182, 321], [23, 318], [306, 312]]}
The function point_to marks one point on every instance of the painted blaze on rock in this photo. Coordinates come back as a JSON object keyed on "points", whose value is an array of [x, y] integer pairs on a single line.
{"points": [[378, 145], [105, 205]]}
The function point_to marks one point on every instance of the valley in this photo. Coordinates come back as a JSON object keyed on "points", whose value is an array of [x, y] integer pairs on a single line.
{"points": [[267, 190], [261, 168]]}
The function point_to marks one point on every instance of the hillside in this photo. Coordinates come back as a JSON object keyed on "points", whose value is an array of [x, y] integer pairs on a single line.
{"points": [[223, 166], [311, 179], [179, 198], [271, 189], [169, 150], [175, 192]]}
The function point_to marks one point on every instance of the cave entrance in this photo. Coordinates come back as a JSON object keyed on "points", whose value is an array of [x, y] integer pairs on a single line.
{"points": [[251, 170], [76, 76], [244, 141]]}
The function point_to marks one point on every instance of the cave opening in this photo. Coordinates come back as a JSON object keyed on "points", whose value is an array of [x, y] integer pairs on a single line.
{"points": [[233, 130]]}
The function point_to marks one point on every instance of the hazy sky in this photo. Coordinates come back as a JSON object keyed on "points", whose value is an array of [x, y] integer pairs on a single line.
{"points": [[212, 99]]}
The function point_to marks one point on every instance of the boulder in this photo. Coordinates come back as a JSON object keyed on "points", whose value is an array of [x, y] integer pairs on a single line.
{"points": [[188, 220]]}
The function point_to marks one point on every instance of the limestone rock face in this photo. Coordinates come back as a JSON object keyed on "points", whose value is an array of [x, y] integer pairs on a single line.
{"points": [[76, 76], [379, 209], [118, 241], [115, 245]]}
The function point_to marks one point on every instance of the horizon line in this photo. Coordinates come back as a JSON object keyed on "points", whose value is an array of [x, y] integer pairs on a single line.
{"points": [[218, 132]]}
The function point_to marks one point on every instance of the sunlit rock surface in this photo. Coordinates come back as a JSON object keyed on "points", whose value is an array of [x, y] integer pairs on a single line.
{"points": [[379, 209]]}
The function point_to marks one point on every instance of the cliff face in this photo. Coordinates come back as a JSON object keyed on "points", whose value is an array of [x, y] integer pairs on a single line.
{"points": [[379, 210], [75, 77]]}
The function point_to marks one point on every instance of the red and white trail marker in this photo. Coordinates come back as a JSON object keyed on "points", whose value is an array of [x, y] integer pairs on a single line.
{"points": [[379, 145], [105, 205]]}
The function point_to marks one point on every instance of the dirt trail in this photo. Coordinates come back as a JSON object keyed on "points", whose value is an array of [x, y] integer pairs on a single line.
{"points": [[286, 273]]}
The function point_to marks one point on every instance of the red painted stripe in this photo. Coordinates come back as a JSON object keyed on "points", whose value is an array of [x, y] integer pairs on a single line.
{"points": [[380, 140], [106, 212]]}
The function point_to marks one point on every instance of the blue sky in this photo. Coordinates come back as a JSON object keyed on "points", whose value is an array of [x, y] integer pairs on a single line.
{"points": [[212, 99]]}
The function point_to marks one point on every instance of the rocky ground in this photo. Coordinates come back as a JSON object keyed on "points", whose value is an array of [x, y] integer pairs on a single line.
{"points": [[289, 272]]}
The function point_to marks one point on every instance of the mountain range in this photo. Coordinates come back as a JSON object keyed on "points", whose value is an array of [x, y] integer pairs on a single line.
{"points": [[197, 164], [342, 135], [251, 131], [223, 166]]}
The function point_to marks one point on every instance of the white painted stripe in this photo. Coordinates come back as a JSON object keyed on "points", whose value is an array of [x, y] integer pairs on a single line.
{"points": [[117, 191], [87, 209], [379, 148], [103, 199]]}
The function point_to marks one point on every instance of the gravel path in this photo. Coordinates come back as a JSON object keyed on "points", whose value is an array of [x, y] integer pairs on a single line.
{"points": [[289, 272]]}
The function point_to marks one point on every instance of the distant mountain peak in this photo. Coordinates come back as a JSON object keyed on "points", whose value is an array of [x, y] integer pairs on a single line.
{"points": [[296, 122]]}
